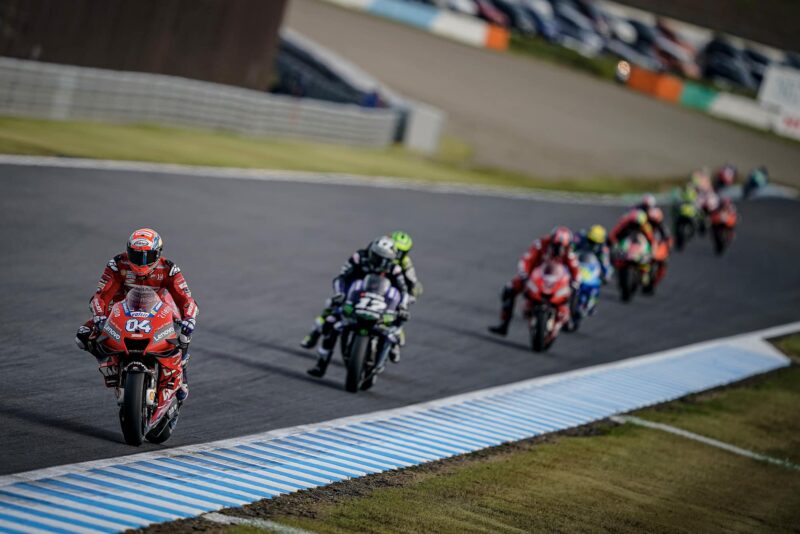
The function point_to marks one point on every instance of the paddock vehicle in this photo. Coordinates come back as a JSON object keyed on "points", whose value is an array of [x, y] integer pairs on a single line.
{"points": [[591, 280], [632, 258], [138, 340], [548, 289], [369, 329]]}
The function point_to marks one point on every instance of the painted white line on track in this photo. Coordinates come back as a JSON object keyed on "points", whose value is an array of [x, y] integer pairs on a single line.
{"points": [[117, 493], [346, 179], [265, 524], [622, 419]]}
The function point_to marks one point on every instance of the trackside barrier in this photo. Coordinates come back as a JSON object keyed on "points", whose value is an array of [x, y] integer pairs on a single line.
{"points": [[742, 110], [724, 105], [697, 96], [453, 26], [64, 92]]}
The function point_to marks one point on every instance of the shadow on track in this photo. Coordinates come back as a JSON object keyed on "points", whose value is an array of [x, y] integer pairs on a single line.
{"points": [[497, 340], [275, 369], [49, 421], [268, 345]]}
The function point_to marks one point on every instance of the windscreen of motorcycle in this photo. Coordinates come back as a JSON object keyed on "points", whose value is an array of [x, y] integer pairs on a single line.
{"points": [[141, 299], [377, 284]]}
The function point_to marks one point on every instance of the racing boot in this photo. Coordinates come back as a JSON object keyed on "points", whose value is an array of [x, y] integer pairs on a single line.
{"points": [[394, 352], [310, 341], [507, 297], [500, 329], [318, 371], [183, 391]]}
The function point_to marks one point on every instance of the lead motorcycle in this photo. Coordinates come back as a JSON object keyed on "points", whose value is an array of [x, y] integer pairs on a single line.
{"points": [[137, 340], [369, 329], [548, 288], [632, 258]]}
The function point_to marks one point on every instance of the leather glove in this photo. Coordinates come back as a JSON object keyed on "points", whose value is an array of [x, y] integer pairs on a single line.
{"points": [[99, 322], [187, 326], [403, 314]]}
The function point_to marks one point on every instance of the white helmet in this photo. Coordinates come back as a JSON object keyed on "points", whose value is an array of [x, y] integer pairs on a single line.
{"points": [[381, 253]]}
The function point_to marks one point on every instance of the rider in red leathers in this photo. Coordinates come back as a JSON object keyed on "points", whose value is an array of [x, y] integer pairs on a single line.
{"points": [[635, 220], [142, 265], [556, 246]]}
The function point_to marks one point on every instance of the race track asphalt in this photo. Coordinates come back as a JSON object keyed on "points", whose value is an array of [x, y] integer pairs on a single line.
{"points": [[259, 257], [535, 117]]}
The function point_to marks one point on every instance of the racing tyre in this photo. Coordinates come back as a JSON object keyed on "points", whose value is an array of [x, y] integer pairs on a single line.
{"points": [[626, 284], [681, 234], [539, 330], [355, 363], [133, 413], [720, 238]]}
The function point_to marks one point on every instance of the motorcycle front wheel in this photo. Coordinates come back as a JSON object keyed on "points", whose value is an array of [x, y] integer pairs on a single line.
{"points": [[133, 412], [355, 362], [538, 329], [626, 283]]}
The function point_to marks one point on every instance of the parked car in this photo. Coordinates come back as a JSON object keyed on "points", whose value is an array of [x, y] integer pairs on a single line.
{"points": [[672, 56], [677, 51], [465, 7], [757, 63], [592, 11], [518, 17], [541, 11], [622, 43], [577, 31], [488, 12], [724, 64]]}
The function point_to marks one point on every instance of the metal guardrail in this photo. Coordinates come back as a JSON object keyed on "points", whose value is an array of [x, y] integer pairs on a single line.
{"points": [[61, 92]]}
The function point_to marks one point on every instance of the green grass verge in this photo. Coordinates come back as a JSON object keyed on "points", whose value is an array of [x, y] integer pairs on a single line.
{"points": [[602, 66], [627, 479], [196, 147]]}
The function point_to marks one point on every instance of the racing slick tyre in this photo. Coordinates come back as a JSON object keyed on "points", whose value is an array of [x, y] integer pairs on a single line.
{"points": [[355, 363], [682, 234], [539, 330], [133, 412], [720, 239], [626, 284]]}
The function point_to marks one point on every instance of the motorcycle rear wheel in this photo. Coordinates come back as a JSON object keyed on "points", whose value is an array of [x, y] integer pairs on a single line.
{"points": [[355, 363], [133, 412]]}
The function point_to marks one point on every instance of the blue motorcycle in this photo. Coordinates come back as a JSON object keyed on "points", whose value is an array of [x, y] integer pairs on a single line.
{"points": [[591, 279]]}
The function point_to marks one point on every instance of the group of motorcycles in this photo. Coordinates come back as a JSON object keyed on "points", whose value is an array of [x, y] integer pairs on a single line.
{"points": [[142, 331], [638, 263]]}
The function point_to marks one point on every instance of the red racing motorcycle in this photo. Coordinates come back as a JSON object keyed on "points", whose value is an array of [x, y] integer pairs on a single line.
{"points": [[723, 227], [143, 351], [547, 290]]}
